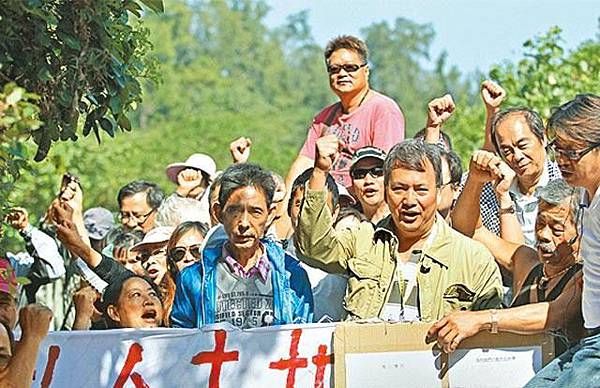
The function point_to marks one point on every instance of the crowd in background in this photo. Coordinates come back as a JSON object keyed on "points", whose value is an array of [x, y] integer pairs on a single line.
{"points": [[366, 225]]}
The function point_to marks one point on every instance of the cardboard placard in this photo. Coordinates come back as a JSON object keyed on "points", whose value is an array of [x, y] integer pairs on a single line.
{"points": [[396, 354]]}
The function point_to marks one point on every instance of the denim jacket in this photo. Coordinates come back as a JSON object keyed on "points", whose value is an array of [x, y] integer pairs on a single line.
{"points": [[196, 294]]}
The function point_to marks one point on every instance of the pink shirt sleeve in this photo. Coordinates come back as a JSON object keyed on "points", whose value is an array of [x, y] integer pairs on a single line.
{"points": [[388, 129], [309, 147]]}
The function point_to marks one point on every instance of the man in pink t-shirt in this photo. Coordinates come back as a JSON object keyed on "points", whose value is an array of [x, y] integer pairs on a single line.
{"points": [[362, 117]]}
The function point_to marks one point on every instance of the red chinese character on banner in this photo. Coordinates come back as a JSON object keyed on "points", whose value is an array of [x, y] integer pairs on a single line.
{"points": [[321, 360], [216, 358], [53, 354], [134, 356], [292, 363]]}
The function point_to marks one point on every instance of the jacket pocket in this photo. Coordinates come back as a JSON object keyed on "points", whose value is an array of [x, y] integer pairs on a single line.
{"points": [[362, 286], [458, 297]]}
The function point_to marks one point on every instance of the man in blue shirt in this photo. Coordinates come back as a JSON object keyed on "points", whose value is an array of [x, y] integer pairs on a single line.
{"points": [[247, 280]]}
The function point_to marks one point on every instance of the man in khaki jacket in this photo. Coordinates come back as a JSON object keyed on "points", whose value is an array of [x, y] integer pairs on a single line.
{"points": [[411, 265]]}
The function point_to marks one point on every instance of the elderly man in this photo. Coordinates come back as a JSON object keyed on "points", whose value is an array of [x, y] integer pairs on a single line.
{"points": [[545, 282], [411, 265], [517, 136], [362, 117], [138, 202], [367, 182], [246, 280], [574, 130]]}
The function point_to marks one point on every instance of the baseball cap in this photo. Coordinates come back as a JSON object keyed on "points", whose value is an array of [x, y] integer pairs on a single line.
{"points": [[200, 162], [367, 152], [162, 234], [98, 221]]}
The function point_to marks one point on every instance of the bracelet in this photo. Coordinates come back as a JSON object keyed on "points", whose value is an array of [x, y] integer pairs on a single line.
{"points": [[494, 321]]}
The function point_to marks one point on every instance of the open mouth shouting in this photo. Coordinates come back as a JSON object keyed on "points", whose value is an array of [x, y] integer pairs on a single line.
{"points": [[150, 316]]}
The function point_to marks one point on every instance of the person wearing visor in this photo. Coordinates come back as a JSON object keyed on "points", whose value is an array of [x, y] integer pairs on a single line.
{"points": [[366, 172]]}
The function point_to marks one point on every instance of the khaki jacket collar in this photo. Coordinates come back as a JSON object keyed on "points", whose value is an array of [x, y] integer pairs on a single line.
{"points": [[385, 229]]}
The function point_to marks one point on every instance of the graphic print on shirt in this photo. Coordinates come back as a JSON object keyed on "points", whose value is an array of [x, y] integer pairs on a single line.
{"points": [[245, 303], [403, 303], [349, 135]]}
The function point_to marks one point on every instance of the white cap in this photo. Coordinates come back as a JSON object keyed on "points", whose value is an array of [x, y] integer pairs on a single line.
{"points": [[162, 234], [200, 162]]}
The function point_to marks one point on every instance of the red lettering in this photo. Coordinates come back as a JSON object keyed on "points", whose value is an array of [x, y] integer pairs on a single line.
{"points": [[216, 358], [134, 356], [53, 354], [321, 360], [138, 381], [292, 363]]}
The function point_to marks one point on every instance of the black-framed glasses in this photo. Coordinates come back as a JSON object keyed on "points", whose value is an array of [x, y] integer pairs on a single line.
{"points": [[146, 255], [574, 155], [348, 68], [361, 173], [178, 253], [139, 219]]}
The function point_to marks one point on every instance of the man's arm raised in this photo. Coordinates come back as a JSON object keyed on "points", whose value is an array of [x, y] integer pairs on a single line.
{"points": [[317, 242], [492, 95], [439, 110]]}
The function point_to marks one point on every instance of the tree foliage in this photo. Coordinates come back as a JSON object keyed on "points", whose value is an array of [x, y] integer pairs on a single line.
{"points": [[548, 75], [83, 58]]}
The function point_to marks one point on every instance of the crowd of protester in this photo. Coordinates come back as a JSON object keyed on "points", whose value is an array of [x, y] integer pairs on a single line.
{"points": [[366, 225]]}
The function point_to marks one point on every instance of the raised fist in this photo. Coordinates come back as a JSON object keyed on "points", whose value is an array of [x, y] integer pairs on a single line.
{"points": [[479, 166], [240, 149], [18, 218], [187, 180], [84, 302], [328, 149], [492, 94], [34, 320], [439, 110]]}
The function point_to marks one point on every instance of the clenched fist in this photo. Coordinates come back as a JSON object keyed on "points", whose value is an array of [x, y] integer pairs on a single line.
{"points": [[492, 94], [240, 149], [34, 320], [439, 110], [328, 149]]}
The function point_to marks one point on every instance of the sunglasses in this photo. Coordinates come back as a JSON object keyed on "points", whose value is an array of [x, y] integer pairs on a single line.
{"points": [[146, 255], [348, 68], [178, 253], [361, 173]]}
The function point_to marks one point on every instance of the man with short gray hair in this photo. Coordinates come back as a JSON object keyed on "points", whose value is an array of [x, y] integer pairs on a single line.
{"points": [[411, 265]]}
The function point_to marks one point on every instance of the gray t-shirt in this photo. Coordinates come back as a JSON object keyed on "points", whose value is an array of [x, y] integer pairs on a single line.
{"points": [[403, 302], [245, 303]]}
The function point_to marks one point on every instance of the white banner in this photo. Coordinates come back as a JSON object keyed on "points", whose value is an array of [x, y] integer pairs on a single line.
{"points": [[219, 356]]}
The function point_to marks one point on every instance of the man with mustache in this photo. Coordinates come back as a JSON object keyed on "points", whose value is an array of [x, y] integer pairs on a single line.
{"points": [[574, 131], [411, 265], [247, 280], [545, 281]]}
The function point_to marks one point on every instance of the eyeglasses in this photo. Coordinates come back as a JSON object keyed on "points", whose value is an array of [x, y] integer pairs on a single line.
{"points": [[348, 68], [573, 155], [146, 255], [361, 173], [125, 217], [178, 253]]}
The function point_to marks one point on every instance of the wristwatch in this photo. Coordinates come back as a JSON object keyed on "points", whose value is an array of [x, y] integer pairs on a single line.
{"points": [[507, 210], [493, 321]]}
